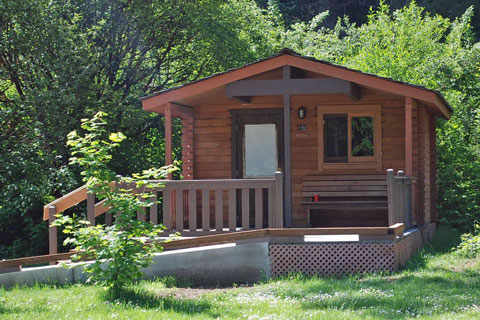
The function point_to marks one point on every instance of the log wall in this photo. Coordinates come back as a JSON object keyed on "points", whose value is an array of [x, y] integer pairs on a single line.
{"points": [[212, 140]]}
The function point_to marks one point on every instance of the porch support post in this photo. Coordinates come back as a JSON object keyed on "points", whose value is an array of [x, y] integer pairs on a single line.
{"points": [[288, 172], [187, 147], [168, 136], [410, 105], [408, 136]]}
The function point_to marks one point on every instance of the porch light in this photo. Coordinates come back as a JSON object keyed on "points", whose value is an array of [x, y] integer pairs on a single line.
{"points": [[302, 112]]}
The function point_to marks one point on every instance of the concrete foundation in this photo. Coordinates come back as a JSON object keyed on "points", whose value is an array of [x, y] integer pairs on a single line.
{"points": [[257, 259]]}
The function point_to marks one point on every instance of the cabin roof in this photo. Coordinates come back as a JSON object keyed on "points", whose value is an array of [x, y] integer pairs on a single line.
{"points": [[430, 96]]}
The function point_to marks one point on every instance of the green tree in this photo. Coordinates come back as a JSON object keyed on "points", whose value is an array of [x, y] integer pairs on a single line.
{"points": [[61, 61], [414, 46]]}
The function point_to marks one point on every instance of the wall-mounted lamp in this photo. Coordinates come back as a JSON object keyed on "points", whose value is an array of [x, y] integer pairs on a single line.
{"points": [[302, 112]]}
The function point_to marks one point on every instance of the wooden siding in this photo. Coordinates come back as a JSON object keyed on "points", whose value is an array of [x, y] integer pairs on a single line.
{"points": [[304, 143], [212, 137]]}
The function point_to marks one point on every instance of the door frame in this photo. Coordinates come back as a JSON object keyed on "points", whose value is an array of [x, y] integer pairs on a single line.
{"points": [[235, 114]]}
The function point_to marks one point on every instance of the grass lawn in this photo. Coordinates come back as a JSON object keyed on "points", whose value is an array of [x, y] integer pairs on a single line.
{"points": [[434, 285]]}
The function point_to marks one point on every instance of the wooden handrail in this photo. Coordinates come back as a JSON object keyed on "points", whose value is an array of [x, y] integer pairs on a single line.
{"points": [[101, 208], [67, 201]]}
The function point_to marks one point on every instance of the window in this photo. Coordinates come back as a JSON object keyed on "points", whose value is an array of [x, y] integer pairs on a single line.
{"points": [[336, 141], [260, 150], [349, 137]]}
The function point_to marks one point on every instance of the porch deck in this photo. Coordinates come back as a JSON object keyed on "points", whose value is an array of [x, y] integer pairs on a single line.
{"points": [[196, 208], [249, 256]]}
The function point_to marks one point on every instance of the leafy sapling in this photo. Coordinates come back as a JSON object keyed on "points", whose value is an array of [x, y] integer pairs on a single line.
{"points": [[120, 251]]}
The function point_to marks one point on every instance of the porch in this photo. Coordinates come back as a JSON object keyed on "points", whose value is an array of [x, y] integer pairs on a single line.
{"points": [[199, 208]]}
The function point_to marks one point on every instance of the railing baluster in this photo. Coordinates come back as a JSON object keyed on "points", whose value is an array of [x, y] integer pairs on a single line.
{"points": [[232, 209], [91, 208], [192, 209], [108, 219], [179, 209], [258, 208], [154, 208], [141, 213], [278, 200], [271, 206], [167, 214], [52, 231], [219, 209], [245, 208], [206, 210]]}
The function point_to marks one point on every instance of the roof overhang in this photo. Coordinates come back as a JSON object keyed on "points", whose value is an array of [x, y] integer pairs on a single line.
{"points": [[157, 101]]}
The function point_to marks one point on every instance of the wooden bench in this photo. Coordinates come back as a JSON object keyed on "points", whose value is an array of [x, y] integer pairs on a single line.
{"points": [[346, 200]]}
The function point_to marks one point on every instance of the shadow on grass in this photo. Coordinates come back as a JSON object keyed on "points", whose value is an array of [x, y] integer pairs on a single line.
{"points": [[140, 297], [444, 240], [438, 293]]}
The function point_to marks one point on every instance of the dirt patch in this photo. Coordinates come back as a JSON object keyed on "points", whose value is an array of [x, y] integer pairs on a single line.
{"points": [[391, 278], [468, 264], [193, 293]]}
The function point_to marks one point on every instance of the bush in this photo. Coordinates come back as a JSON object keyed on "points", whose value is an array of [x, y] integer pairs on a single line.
{"points": [[470, 245]]}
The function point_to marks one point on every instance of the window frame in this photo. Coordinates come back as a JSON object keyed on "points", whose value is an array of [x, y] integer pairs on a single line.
{"points": [[364, 162]]}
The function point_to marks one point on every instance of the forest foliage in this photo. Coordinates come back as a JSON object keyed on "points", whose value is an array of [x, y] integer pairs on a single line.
{"points": [[61, 61]]}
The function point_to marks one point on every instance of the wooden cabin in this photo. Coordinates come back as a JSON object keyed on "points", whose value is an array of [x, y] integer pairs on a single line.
{"points": [[333, 132], [290, 147]]}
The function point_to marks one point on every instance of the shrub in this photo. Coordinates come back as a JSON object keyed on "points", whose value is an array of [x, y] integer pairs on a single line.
{"points": [[470, 245]]}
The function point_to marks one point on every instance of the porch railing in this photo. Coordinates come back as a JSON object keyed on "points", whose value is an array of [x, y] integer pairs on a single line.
{"points": [[401, 190], [193, 203]]}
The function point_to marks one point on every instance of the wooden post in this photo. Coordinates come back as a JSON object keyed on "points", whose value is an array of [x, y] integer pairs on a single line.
{"points": [[52, 231], [168, 137], [391, 196], [408, 136], [278, 223], [286, 135], [91, 208], [400, 196]]}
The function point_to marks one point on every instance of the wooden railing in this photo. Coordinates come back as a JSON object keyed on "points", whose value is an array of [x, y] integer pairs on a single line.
{"points": [[401, 191], [183, 199]]}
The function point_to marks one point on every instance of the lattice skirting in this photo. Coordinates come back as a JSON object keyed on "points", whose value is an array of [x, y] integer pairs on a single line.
{"points": [[347, 257]]}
